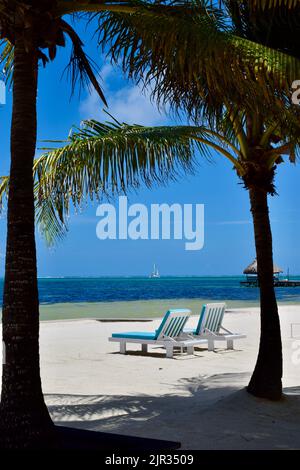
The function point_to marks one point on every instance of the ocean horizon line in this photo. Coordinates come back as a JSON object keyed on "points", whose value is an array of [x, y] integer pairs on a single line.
{"points": [[141, 276]]}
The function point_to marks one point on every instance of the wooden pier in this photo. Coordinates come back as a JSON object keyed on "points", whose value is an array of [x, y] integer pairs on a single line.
{"points": [[252, 277], [277, 283]]}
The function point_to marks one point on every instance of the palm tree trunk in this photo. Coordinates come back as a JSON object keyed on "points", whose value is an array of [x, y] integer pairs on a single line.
{"points": [[24, 417], [266, 379]]}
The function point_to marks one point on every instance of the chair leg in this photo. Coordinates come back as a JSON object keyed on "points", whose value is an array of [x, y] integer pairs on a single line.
{"points": [[169, 351], [230, 344], [190, 350], [211, 345], [123, 347], [144, 348]]}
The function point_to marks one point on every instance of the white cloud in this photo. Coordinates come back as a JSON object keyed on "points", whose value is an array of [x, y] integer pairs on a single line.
{"points": [[127, 103]]}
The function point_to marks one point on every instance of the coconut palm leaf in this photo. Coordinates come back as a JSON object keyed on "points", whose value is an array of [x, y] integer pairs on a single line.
{"points": [[82, 71], [274, 3], [101, 160], [81, 68], [183, 49], [4, 184], [275, 24], [105, 159], [188, 50], [6, 59]]}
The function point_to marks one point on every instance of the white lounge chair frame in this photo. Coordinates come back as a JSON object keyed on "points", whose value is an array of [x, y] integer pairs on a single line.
{"points": [[170, 337], [211, 327]]}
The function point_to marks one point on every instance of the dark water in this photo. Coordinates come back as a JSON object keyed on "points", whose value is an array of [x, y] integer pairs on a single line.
{"points": [[138, 288]]}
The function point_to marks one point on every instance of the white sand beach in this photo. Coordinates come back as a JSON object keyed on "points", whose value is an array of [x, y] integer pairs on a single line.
{"points": [[198, 400]]}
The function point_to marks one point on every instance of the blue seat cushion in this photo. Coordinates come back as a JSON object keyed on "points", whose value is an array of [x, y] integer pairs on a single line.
{"points": [[135, 335]]}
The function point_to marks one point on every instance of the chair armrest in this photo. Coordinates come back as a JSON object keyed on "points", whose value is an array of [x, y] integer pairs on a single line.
{"points": [[225, 329]]}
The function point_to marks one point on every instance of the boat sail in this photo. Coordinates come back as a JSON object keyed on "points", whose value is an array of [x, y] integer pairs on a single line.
{"points": [[155, 272]]}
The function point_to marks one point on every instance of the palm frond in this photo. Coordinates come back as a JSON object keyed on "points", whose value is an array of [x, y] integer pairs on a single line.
{"points": [[274, 3], [80, 8], [6, 59], [81, 68], [116, 156], [272, 23], [102, 160], [4, 184], [52, 225], [189, 57]]}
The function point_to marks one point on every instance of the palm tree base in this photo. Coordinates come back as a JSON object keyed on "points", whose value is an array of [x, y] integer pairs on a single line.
{"points": [[260, 390], [26, 429]]}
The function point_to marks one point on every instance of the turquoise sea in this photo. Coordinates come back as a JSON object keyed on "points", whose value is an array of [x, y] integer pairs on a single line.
{"points": [[111, 289], [120, 297]]}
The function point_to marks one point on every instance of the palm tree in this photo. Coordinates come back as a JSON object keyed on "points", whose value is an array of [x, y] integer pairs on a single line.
{"points": [[273, 24], [30, 28]]}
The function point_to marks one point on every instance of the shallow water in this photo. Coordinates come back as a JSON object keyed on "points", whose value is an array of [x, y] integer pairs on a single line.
{"points": [[140, 297]]}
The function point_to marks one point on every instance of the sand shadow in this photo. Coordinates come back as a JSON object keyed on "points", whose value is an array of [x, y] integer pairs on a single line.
{"points": [[203, 413], [160, 355]]}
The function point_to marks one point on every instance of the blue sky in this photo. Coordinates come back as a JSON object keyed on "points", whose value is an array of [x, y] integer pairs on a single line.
{"points": [[229, 244]]}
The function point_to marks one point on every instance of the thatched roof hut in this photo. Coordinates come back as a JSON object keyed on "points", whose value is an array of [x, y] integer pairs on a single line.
{"points": [[252, 269]]}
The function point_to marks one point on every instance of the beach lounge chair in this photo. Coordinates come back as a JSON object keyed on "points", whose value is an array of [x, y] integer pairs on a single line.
{"points": [[169, 335], [210, 326]]}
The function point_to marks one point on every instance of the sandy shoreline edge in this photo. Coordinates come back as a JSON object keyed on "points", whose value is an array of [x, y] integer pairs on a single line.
{"points": [[138, 309]]}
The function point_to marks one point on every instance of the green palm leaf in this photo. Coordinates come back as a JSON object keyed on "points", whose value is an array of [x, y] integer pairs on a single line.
{"points": [[275, 3], [190, 58], [105, 159], [102, 160], [6, 59]]}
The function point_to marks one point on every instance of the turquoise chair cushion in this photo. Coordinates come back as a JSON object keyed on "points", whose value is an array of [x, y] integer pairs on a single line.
{"points": [[135, 335]]}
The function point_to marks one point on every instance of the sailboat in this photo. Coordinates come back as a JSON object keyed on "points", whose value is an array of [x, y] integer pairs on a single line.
{"points": [[155, 272]]}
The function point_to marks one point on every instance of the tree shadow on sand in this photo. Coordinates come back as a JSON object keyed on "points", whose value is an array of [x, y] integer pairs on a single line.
{"points": [[209, 412]]}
